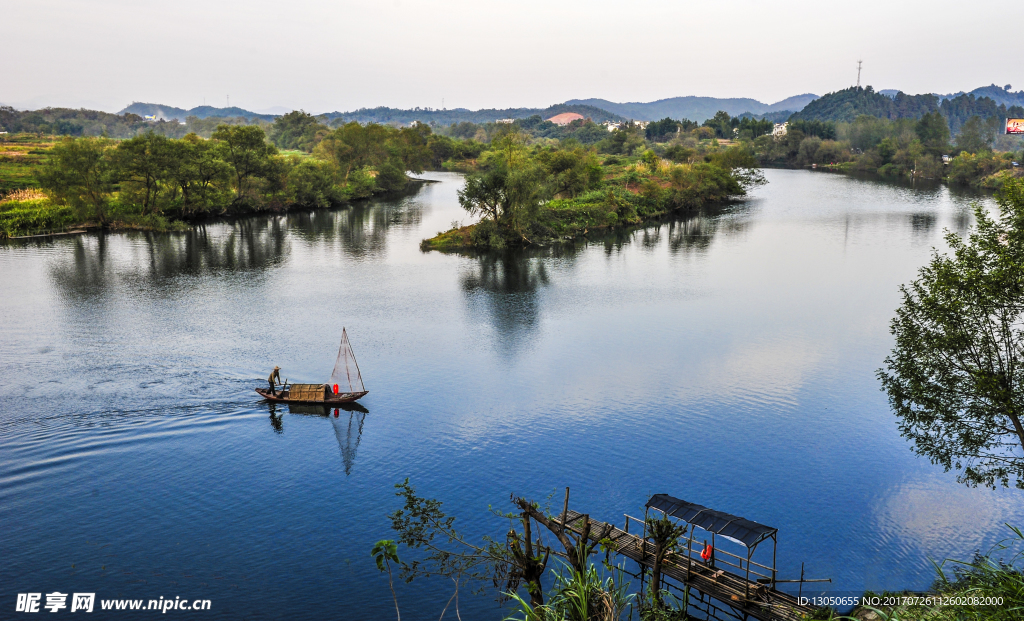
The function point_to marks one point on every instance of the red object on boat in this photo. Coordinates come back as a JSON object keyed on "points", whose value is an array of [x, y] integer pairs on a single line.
{"points": [[346, 374]]}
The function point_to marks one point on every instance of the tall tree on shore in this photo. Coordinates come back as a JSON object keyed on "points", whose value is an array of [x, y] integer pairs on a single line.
{"points": [[297, 130], [78, 173], [933, 131], [247, 151], [510, 187], [955, 377], [976, 135], [144, 165], [201, 176]]}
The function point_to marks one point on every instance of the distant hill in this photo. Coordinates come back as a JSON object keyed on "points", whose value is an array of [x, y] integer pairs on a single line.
{"points": [[696, 109], [170, 112], [382, 115], [847, 104], [1001, 95], [385, 115]]}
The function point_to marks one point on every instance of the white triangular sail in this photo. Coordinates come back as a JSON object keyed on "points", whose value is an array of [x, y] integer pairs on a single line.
{"points": [[346, 369]]}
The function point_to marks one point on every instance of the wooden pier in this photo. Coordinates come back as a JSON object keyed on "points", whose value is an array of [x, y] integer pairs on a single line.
{"points": [[746, 598]]}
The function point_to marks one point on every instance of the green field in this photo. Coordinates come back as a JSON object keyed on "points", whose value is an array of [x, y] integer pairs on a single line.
{"points": [[20, 154]]}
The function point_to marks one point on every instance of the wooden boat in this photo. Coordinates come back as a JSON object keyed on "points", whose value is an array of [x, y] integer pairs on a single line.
{"points": [[285, 396], [346, 385]]}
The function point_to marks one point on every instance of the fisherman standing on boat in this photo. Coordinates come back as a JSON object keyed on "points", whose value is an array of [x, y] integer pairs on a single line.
{"points": [[276, 373]]}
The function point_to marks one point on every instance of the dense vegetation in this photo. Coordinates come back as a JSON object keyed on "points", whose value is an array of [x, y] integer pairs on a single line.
{"points": [[700, 108], [849, 104], [900, 148], [445, 117], [530, 192], [200, 112], [70, 122], [638, 170], [584, 131], [151, 180]]}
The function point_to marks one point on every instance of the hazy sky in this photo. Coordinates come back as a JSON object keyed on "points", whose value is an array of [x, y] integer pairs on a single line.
{"points": [[324, 55]]}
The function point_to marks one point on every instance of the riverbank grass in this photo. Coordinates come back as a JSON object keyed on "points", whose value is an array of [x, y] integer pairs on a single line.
{"points": [[20, 157]]}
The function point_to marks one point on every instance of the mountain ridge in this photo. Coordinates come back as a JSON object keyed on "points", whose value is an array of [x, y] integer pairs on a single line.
{"points": [[696, 108]]}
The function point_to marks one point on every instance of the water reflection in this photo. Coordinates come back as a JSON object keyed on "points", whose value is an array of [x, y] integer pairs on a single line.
{"points": [[343, 432], [361, 229], [922, 223], [275, 418], [98, 262], [347, 420], [686, 233], [504, 288]]}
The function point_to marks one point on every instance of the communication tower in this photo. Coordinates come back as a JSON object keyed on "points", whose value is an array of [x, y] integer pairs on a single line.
{"points": [[858, 72]]}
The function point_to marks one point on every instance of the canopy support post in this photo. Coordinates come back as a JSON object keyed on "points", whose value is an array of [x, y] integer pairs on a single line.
{"points": [[775, 549], [750, 551]]}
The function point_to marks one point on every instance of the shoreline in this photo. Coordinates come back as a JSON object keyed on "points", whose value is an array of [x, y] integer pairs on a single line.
{"points": [[183, 225]]}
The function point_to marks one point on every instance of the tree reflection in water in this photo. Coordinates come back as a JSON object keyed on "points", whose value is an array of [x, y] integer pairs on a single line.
{"points": [[361, 229], [504, 286], [101, 262], [686, 233]]}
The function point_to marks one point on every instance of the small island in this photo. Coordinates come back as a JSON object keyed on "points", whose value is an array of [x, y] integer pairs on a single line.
{"points": [[533, 194]]}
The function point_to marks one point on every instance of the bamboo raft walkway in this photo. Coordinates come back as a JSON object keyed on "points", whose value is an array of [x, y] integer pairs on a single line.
{"points": [[746, 598]]}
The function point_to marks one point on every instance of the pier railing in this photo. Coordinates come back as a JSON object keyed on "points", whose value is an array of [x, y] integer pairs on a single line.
{"points": [[729, 584]]}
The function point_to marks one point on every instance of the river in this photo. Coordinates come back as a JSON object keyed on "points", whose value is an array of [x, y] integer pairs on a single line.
{"points": [[726, 358]]}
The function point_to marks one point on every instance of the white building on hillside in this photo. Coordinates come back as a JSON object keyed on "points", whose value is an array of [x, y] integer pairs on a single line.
{"points": [[780, 129]]}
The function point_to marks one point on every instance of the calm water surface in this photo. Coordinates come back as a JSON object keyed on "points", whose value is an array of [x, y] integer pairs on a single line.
{"points": [[727, 359]]}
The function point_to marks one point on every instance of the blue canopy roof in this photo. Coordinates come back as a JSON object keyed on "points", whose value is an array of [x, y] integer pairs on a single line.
{"points": [[732, 526]]}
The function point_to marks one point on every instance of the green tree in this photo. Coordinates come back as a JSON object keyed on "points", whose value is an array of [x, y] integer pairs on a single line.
{"points": [[248, 153], [410, 149], [722, 124], [625, 140], [422, 525], [77, 173], [955, 377], [297, 130], [663, 130], [975, 136], [144, 166], [201, 174], [933, 131], [573, 170], [353, 146], [390, 176], [509, 189], [313, 183]]}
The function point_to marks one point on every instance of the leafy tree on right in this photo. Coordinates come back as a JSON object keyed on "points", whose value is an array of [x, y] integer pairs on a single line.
{"points": [[955, 377]]}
